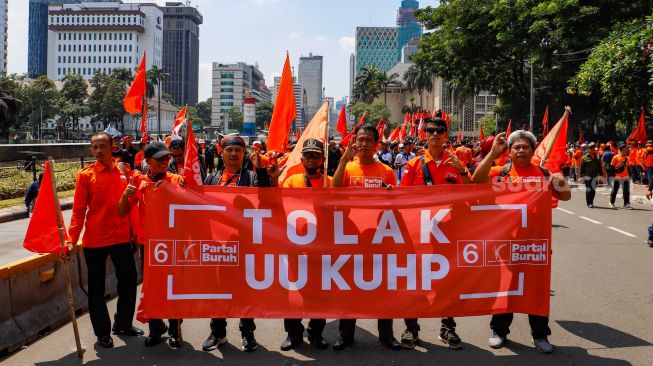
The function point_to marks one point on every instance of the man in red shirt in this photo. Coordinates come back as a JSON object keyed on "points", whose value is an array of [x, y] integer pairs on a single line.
{"points": [[521, 145], [97, 192], [648, 164], [435, 167]]}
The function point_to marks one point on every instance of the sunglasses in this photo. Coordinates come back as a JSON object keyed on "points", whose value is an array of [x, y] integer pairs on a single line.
{"points": [[438, 130], [312, 155]]}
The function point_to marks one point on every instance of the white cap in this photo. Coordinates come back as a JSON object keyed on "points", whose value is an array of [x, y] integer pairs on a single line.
{"points": [[256, 142], [201, 141], [401, 145]]}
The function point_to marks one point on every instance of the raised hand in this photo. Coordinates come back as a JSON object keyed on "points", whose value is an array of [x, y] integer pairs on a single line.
{"points": [[131, 188]]}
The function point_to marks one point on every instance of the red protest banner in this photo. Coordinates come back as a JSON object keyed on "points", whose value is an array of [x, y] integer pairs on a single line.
{"points": [[346, 253]]}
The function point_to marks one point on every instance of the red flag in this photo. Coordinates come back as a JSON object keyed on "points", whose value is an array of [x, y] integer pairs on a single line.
{"points": [[348, 137], [509, 130], [459, 138], [545, 122], [298, 133], [179, 121], [402, 133], [639, 134], [380, 127], [43, 230], [406, 120], [144, 120], [284, 111], [413, 129], [192, 171], [394, 135], [133, 101], [481, 135], [555, 142], [581, 138], [341, 127], [446, 118], [420, 130]]}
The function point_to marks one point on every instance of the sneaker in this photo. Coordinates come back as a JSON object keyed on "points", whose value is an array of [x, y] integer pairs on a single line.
{"points": [[542, 345], [175, 342], [611, 205], [291, 342], [408, 339], [450, 338], [213, 342], [590, 205], [249, 342], [627, 207], [497, 341], [650, 243]]}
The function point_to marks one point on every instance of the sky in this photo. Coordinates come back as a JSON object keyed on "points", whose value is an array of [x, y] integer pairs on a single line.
{"points": [[259, 31]]}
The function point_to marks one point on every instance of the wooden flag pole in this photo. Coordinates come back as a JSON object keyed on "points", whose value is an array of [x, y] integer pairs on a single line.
{"points": [[555, 137], [64, 262], [326, 144]]}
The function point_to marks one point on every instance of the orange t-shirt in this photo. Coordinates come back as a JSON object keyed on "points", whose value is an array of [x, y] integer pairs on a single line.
{"points": [[98, 189], [575, 160], [228, 179], [141, 182], [298, 181], [617, 161], [632, 156], [531, 174], [441, 174], [464, 154], [641, 155], [368, 175]]}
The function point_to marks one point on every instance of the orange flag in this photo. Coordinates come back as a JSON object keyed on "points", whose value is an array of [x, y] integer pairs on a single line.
{"points": [[316, 129], [284, 112], [346, 139], [481, 135], [446, 118], [144, 120], [179, 121], [639, 134], [394, 135], [341, 127], [43, 230], [380, 127], [545, 122], [420, 130], [133, 101], [581, 138], [298, 133], [509, 130], [192, 171], [459, 138], [555, 142]]}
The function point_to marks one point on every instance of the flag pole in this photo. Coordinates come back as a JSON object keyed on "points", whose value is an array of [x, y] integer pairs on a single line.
{"points": [[69, 290], [555, 137], [326, 142]]}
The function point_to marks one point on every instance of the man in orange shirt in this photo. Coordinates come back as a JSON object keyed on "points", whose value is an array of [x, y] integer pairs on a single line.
{"points": [[369, 173], [464, 155], [313, 161], [648, 164], [521, 145], [633, 167], [435, 167], [97, 192], [157, 158], [575, 162], [621, 177]]}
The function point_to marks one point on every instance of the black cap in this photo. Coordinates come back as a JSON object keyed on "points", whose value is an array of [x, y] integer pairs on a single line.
{"points": [[622, 145], [155, 150], [313, 145]]}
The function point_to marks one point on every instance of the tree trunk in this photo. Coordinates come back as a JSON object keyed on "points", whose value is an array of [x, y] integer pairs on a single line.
{"points": [[158, 111]]}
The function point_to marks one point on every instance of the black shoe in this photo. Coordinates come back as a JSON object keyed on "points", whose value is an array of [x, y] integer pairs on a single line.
{"points": [[174, 342], [290, 343], [318, 342], [105, 341], [391, 343], [249, 342], [341, 344], [152, 340], [450, 338], [409, 339], [213, 342], [132, 332]]}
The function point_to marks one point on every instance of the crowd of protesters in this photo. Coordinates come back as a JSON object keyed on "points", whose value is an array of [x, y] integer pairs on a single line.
{"points": [[109, 190]]}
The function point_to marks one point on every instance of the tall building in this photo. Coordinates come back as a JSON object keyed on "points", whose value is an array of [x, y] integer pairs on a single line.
{"points": [[3, 36], [231, 84], [181, 51], [352, 73], [37, 39], [407, 26], [92, 37], [297, 90], [310, 78], [376, 46]]}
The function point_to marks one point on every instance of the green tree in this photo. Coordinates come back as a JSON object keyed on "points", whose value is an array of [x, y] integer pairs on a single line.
{"points": [[419, 76], [112, 103], [235, 116], [100, 81], [386, 80], [123, 74], [375, 112], [200, 113], [41, 96], [619, 72], [489, 124], [72, 103], [367, 86], [155, 77], [263, 113], [15, 90]]}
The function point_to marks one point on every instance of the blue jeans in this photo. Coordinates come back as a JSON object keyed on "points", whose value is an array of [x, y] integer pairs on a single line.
{"points": [[649, 176]]}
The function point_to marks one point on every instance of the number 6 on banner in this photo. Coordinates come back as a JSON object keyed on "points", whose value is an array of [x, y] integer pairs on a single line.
{"points": [[161, 253], [471, 253]]}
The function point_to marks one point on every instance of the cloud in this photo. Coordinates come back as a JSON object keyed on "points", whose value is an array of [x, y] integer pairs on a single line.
{"points": [[348, 44], [263, 2], [320, 38], [294, 35]]}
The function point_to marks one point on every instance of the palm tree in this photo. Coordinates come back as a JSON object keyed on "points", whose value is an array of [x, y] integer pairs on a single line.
{"points": [[385, 80], [123, 74], [155, 77], [419, 76], [366, 85]]}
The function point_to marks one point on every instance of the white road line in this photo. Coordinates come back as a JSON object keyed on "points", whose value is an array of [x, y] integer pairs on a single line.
{"points": [[563, 210], [590, 220], [622, 232]]}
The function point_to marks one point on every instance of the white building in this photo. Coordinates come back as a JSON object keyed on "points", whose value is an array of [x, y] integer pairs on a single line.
{"points": [[94, 37], [4, 8]]}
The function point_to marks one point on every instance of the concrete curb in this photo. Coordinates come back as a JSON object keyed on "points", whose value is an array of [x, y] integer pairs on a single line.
{"points": [[15, 213]]}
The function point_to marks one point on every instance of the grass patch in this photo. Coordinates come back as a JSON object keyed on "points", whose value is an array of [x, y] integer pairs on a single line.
{"points": [[14, 182], [21, 201]]}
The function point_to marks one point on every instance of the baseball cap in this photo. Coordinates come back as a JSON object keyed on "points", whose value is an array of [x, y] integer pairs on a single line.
{"points": [[313, 145], [622, 145], [156, 150]]}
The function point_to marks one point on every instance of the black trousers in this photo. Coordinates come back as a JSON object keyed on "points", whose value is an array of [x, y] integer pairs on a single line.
{"points": [[295, 328], [219, 326], [615, 189], [500, 324], [157, 327], [413, 326], [347, 327], [590, 190], [123, 262]]}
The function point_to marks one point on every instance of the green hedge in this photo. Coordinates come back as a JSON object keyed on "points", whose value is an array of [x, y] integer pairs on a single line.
{"points": [[14, 183]]}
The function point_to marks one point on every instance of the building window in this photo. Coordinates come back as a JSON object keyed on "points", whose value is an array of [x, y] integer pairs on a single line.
{"points": [[227, 83], [227, 76], [231, 90], [226, 97]]}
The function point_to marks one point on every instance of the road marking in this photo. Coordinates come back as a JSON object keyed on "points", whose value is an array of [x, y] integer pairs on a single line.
{"points": [[622, 232], [590, 220], [563, 210]]}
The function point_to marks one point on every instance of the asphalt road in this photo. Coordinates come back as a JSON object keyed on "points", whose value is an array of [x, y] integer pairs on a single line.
{"points": [[601, 301]]}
